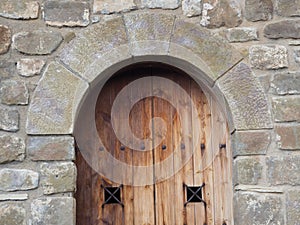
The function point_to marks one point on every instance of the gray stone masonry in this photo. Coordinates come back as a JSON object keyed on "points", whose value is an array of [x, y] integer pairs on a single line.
{"points": [[11, 148]]}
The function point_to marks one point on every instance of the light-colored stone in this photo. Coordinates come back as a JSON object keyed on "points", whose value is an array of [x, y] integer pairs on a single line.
{"points": [[256, 10], [18, 179], [54, 103], [54, 211], [286, 109], [11, 148], [7, 68], [164, 4], [28, 67], [12, 214], [192, 8], [9, 119], [5, 39], [112, 6], [297, 55], [268, 56], [288, 7], [51, 148], [286, 83], [246, 99], [250, 142], [13, 197], [293, 207], [288, 137], [283, 170], [14, 92], [283, 29], [16, 9], [38, 42], [66, 13], [241, 34], [258, 209], [247, 170], [58, 177]]}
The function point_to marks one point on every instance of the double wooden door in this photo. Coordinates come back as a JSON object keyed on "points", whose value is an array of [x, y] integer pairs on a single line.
{"points": [[180, 170]]}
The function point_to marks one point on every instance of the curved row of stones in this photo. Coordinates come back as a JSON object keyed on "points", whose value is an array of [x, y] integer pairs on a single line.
{"points": [[37, 175]]}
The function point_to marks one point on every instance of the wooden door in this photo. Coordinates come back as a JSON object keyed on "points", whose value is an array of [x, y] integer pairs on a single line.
{"points": [[183, 150]]}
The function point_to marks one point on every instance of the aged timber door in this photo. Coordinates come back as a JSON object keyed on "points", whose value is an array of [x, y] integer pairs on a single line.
{"points": [[175, 151]]}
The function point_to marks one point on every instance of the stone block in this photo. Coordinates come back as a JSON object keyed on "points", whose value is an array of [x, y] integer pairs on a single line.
{"points": [[283, 29], [18, 179], [38, 42], [285, 83], [288, 7], [250, 142], [54, 211], [5, 38], [28, 67], [58, 177], [286, 109], [288, 137], [241, 34], [297, 55], [268, 56], [246, 99], [16, 9], [7, 69], [293, 207], [258, 209], [247, 171], [13, 197], [11, 148], [54, 103], [164, 4], [283, 170], [192, 8], [12, 213], [14, 92], [51, 148], [9, 119], [112, 6], [66, 13], [256, 10]]}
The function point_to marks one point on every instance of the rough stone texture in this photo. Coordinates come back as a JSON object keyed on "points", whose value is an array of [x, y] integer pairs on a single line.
{"points": [[66, 13], [9, 119], [247, 171], [283, 29], [256, 10], [218, 13], [53, 105], [51, 148], [11, 148], [14, 92], [112, 6], [283, 170], [5, 39], [288, 7], [192, 7], [7, 69], [38, 42], [286, 109], [241, 34], [246, 99], [14, 197], [286, 83], [293, 207], [29, 67], [12, 214], [268, 56], [54, 211], [164, 4], [250, 142], [288, 137], [16, 9], [58, 177], [258, 209], [18, 179], [297, 55]]}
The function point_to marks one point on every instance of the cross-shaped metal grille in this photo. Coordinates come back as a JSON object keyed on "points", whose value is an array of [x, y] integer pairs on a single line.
{"points": [[112, 195], [194, 194]]}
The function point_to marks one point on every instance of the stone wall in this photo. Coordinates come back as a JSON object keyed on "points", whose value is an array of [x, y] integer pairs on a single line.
{"points": [[37, 173]]}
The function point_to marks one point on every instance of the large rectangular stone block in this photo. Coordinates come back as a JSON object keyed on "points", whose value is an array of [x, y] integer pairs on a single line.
{"points": [[286, 83], [286, 109], [247, 171], [11, 148], [293, 207], [112, 6], [288, 136], [12, 213]]}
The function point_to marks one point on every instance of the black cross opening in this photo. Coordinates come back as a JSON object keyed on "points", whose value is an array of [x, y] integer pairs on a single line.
{"points": [[112, 195], [194, 194]]}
